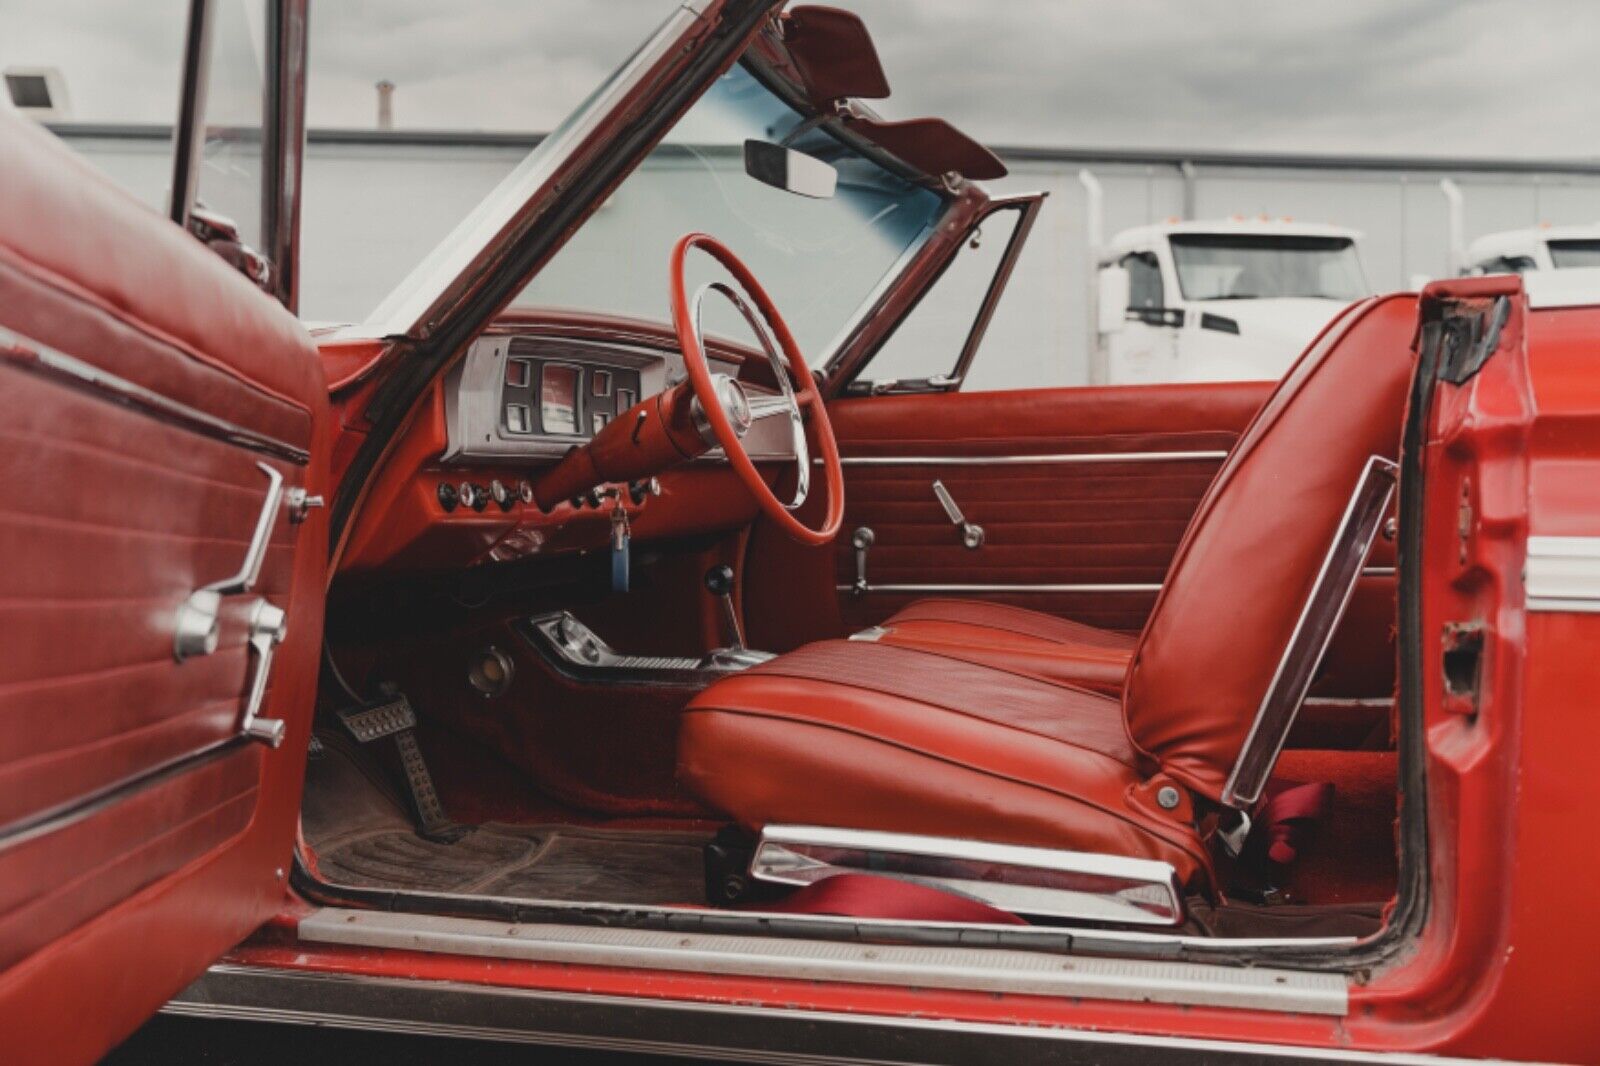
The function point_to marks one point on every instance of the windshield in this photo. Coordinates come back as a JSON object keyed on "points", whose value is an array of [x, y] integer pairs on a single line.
{"points": [[1236, 267], [820, 259], [1564, 254]]}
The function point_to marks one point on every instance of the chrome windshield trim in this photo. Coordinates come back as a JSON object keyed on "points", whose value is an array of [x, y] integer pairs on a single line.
{"points": [[988, 969], [1563, 574], [1030, 460], [413, 307], [24, 353]]}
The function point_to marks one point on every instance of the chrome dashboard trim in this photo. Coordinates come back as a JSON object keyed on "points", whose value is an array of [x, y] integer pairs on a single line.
{"points": [[977, 968], [31, 356], [1562, 574], [1029, 460]]}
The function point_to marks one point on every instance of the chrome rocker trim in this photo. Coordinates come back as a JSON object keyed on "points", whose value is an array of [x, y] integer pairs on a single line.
{"points": [[414, 1007]]}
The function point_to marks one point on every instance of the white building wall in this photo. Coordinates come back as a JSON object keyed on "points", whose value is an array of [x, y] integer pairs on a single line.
{"points": [[372, 210]]}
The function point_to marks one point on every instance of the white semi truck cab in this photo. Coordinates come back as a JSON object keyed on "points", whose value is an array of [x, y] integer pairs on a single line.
{"points": [[1538, 248], [1217, 301]]}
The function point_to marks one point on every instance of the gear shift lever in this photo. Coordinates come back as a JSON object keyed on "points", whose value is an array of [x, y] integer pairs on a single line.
{"points": [[719, 582]]}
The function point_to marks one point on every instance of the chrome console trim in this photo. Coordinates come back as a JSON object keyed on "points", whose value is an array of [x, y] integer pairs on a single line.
{"points": [[1563, 574], [977, 968], [32, 356], [1319, 618], [1047, 882], [1029, 460]]}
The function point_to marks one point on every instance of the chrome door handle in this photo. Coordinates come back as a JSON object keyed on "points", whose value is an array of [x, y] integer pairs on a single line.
{"points": [[196, 627], [195, 632], [971, 535], [268, 626]]}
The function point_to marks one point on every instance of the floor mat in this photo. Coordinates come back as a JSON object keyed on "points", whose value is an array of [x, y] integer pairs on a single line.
{"points": [[356, 828], [1352, 859]]}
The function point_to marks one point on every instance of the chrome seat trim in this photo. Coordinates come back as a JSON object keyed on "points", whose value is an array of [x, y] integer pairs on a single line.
{"points": [[1046, 882], [1313, 631]]}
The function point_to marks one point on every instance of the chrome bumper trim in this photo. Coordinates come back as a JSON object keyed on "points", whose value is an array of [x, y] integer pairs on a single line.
{"points": [[983, 969], [1563, 574]]}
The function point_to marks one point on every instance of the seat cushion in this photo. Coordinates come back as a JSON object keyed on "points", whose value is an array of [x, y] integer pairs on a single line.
{"points": [[871, 735], [1015, 639]]}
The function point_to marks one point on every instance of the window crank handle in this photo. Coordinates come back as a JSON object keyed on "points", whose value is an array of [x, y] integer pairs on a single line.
{"points": [[971, 535], [861, 540]]}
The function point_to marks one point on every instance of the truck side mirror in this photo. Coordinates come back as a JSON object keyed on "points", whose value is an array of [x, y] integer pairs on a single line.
{"points": [[1111, 312]]}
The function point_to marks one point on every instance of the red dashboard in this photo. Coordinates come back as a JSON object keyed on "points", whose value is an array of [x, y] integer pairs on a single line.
{"points": [[456, 489]]}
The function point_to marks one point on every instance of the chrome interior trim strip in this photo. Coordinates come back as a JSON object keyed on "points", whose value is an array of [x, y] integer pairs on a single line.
{"points": [[721, 1031], [30, 355], [1313, 630], [1051, 882], [1563, 574], [1028, 460], [1001, 588], [987, 969], [1377, 571]]}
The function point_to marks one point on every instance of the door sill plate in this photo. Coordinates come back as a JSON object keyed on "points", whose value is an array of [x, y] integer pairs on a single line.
{"points": [[979, 969]]}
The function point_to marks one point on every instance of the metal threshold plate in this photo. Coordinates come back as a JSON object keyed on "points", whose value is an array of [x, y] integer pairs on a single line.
{"points": [[978, 969]]}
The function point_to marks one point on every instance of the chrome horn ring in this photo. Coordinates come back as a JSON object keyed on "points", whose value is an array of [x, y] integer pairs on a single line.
{"points": [[753, 409]]}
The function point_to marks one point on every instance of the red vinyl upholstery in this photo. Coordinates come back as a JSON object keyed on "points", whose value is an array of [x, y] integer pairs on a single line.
{"points": [[870, 734], [1017, 639]]}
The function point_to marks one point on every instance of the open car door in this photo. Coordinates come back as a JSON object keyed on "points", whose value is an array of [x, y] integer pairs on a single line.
{"points": [[164, 427]]}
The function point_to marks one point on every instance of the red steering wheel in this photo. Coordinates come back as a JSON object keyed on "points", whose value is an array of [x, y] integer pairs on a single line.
{"points": [[729, 412]]}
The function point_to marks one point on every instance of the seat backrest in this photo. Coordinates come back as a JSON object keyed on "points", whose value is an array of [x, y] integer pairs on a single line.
{"points": [[1247, 563]]}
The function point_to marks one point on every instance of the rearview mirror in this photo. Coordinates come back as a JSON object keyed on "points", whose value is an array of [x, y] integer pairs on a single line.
{"points": [[787, 169], [1111, 313]]}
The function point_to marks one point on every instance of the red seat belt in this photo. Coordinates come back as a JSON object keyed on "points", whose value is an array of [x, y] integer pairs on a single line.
{"points": [[1288, 819], [870, 896]]}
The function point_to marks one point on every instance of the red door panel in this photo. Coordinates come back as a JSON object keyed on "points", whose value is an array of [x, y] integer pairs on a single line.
{"points": [[1063, 522], [1109, 527], [144, 387]]}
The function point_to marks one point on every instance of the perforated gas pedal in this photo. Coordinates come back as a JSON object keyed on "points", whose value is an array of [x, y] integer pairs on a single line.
{"points": [[393, 717]]}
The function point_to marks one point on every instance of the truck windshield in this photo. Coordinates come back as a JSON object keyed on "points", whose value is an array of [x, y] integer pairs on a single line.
{"points": [[1215, 266], [1565, 254]]}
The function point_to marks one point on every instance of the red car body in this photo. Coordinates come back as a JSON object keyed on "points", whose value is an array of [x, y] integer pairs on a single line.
{"points": [[144, 836]]}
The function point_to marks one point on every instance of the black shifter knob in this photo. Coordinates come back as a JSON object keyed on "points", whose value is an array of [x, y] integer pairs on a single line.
{"points": [[719, 580]]}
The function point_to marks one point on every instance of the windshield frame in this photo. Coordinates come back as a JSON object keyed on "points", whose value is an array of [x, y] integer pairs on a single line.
{"points": [[445, 276], [1330, 242]]}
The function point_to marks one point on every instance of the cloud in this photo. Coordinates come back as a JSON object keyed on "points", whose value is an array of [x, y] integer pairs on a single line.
{"points": [[1462, 77]]}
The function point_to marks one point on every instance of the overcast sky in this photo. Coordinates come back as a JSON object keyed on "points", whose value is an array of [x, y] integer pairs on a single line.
{"points": [[1478, 77]]}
